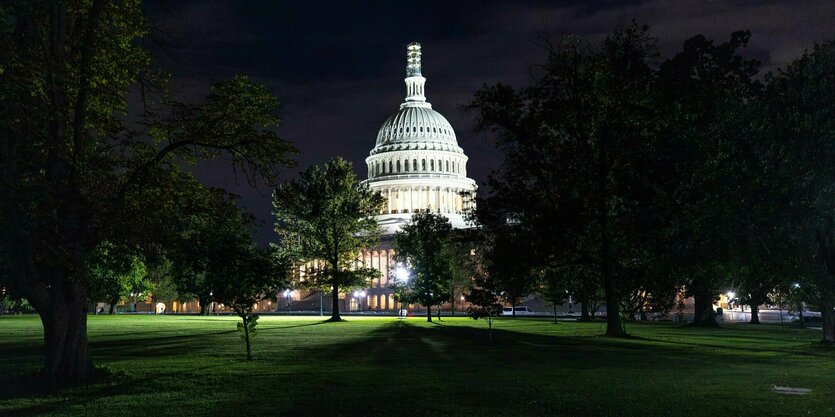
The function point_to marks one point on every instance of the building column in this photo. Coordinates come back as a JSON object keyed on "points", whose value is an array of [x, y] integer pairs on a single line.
{"points": [[409, 200], [389, 193]]}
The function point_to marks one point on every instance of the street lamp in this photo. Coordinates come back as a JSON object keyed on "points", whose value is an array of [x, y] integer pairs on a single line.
{"points": [[731, 296], [401, 274], [358, 296], [287, 295]]}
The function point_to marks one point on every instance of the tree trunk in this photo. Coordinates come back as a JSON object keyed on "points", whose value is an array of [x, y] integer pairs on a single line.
{"points": [[64, 322], [703, 315], [113, 305], [204, 308], [584, 309], [429, 314], [828, 318], [555, 313], [490, 329], [439, 313], [246, 337], [755, 313], [614, 323], [335, 303]]}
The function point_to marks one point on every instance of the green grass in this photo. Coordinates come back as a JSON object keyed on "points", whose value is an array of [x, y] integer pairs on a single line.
{"points": [[194, 366]]}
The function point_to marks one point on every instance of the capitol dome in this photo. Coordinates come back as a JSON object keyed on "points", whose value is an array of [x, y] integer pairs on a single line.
{"points": [[416, 126], [416, 162]]}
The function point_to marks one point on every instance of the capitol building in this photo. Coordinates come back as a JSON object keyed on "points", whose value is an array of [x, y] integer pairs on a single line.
{"points": [[416, 164]]}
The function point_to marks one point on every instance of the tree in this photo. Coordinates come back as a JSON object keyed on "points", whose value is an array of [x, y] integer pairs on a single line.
{"points": [[460, 253], [580, 156], [114, 273], [484, 302], [76, 171], [326, 214], [800, 107], [249, 275], [216, 226], [421, 247], [552, 286], [707, 90], [509, 263]]}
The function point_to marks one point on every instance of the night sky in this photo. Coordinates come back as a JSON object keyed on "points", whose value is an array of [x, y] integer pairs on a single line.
{"points": [[338, 67]]}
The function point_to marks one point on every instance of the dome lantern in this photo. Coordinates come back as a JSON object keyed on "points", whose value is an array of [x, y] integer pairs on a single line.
{"points": [[414, 80]]}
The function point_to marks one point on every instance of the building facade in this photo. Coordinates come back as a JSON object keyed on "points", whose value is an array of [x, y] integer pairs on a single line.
{"points": [[416, 164]]}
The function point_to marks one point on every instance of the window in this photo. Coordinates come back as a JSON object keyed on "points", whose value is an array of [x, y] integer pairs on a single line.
{"points": [[390, 166], [414, 164], [432, 164], [424, 164], [398, 165], [406, 165], [447, 166]]}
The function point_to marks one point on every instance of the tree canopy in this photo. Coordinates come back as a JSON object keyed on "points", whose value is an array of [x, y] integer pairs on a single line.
{"points": [[326, 214], [77, 169]]}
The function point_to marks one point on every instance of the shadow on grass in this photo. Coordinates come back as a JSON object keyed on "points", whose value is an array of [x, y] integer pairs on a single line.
{"points": [[405, 362]]}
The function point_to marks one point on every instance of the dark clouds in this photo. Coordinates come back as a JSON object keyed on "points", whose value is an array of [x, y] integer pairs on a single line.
{"points": [[338, 67]]}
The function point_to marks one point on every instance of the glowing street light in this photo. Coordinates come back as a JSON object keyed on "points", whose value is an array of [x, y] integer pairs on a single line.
{"points": [[731, 295], [401, 274]]}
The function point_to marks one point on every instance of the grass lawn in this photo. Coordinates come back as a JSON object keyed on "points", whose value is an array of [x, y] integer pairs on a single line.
{"points": [[194, 366]]}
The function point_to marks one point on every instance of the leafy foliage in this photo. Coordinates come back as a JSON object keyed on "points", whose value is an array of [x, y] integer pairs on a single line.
{"points": [[76, 170], [115, 273], [421, 246], [326, 214]]}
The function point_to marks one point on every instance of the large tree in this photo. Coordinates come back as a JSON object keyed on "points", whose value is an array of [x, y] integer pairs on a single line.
{"points": [[76, 169], [327, 215], [421, 247], [707, 90], [579, 156], [214, 229], [800, 134]]}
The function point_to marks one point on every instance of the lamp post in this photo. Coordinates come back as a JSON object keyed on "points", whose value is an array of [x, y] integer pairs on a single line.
{"points": [[288, 294], [358, 296]]}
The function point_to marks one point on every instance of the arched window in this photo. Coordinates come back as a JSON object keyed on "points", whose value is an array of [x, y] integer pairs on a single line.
{"points": [[423, 163], [432, 164], [390, 167], [414, 165], [440, 166], [398, 166], [447, 165]]}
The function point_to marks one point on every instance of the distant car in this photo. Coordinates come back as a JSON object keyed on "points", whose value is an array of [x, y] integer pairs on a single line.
{"points": [[520, 311]]}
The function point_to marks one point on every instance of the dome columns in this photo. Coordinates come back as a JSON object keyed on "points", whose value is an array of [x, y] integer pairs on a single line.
{"points": [[410, 199]]}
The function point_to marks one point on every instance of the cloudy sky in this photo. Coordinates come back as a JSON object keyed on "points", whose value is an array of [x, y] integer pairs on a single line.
{"points": [[337, 67]]}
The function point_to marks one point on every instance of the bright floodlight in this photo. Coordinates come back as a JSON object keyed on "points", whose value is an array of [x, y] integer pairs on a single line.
{"points": [[731, 295], [401, 274]]}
